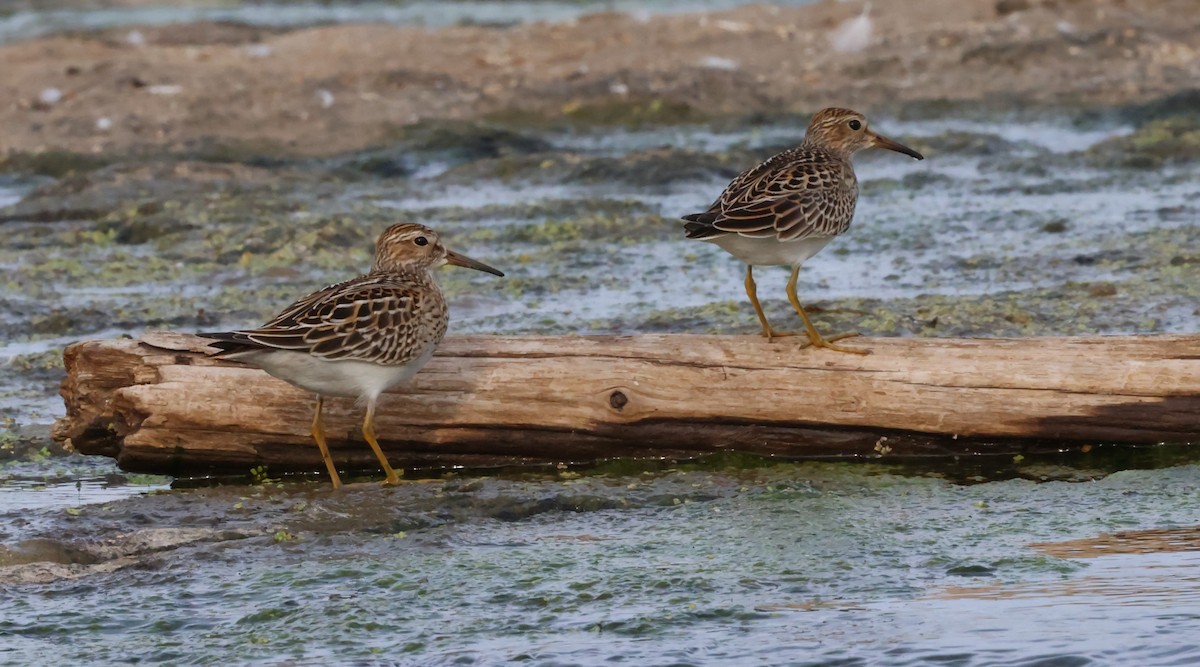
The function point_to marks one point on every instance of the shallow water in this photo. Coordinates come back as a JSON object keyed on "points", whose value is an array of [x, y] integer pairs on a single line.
{"points": [[18, 494], [793, 563], [968, 227], [28, 21], [10, 193], [1006, 229]]}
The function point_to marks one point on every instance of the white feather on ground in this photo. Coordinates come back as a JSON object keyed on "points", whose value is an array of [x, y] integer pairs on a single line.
{"points": [[853, 35]]}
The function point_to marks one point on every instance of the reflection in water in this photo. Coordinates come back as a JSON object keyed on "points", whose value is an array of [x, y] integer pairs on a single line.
{"points": [[1130, 579], [1127, 542], [27, 24], [1152, 576], [27, 494], [1134, 603]]}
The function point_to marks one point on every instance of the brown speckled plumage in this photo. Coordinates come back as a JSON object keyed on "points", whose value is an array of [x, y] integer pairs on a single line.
{"points": [[360, 337], [803, 192], [384, 318], [388, 316], [786, 209]]}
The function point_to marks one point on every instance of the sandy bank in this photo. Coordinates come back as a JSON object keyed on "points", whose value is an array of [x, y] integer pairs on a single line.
{"points": [[323, 90]]}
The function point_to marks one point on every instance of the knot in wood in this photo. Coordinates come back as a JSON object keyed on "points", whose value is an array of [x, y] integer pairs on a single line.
{"points": [[618, 399]]}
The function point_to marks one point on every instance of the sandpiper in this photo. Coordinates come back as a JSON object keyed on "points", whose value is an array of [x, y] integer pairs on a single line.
{"points": [[786, 209], [360, 337]]}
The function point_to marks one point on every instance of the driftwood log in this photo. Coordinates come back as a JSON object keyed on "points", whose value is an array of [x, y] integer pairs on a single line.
{"points": [[160, 405]]}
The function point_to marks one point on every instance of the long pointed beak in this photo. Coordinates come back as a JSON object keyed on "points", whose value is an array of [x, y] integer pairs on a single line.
{"points": [[459, 259], [883, 142]]}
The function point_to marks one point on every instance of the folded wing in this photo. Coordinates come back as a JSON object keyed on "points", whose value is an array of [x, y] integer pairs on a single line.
{"points": [[377, 319], [797, 194]]}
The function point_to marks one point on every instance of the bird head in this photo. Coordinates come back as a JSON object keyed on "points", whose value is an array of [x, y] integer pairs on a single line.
{"points": [[845, 132], [411, 247]]}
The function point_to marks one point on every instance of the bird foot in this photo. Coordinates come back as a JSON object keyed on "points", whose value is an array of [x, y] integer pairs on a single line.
{"points": [[771, 334], [827, 343]]}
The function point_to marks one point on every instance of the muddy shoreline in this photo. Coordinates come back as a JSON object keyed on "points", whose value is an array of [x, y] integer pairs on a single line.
{"points": [[323, 90]]}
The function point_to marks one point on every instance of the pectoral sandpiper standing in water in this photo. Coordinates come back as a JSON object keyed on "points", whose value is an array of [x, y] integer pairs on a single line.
{"points": [[786, 209], [360, 337]]}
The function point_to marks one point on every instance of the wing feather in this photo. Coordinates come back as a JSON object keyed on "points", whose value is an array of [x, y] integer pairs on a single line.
{"points": [[796, 194], [386, 319]]}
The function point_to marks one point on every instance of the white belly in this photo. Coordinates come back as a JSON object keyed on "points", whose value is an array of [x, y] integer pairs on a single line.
{"points": [[769, 251], [346, 377]]}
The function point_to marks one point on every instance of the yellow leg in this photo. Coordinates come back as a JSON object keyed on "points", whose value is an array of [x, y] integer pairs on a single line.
{"points": [[814, 337], [369, 434], [318, 434], [752, 292]]}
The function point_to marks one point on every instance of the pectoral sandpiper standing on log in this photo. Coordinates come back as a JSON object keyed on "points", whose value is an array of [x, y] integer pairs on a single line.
{"points": [[786, 209], [360, 337]]}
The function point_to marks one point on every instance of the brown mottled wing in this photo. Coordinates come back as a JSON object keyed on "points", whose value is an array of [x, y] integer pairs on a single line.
{"points": [[796, 194], [382, 319]]}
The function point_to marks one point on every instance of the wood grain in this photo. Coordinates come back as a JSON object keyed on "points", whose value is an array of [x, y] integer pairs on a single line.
{"points": [[159, 404]]}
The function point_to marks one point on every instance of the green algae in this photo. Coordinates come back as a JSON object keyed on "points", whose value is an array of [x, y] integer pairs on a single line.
{"points": [[449, 142], [960, 143], [467, 140], [561, 234], [631, 113], [906, 185], [1066, 309], [1183, 103], [55, 164], [251, 152], [22, 444], [262, 234], [541, 209], [645, 168], [1161, 142], [184, 244]]}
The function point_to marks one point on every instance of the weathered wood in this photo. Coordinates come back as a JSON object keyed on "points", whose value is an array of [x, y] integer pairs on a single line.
{"points": [[161, 405]]}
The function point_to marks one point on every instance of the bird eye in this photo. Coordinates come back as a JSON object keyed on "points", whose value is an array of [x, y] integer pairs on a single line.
{"points": [[855, 125], [421, 240]]}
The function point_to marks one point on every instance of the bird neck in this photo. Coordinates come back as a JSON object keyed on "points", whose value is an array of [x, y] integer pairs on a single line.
{"points": [[825, 150], [405, 273]]}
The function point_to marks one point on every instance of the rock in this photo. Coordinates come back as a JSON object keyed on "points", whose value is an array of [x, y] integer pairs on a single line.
{"points": [[453, 142], [1006, 7], [43, 560], [1184, 103], [1170, 140]]}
